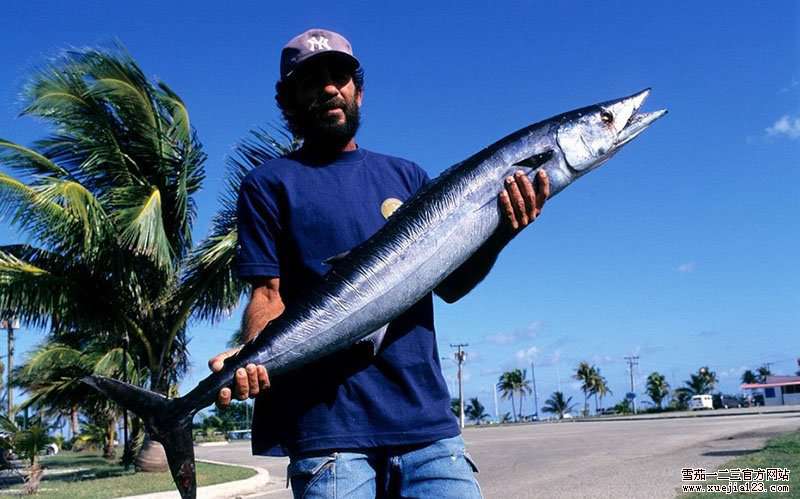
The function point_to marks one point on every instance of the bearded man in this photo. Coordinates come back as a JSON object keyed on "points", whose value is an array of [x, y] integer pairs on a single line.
{"points": [[375, 420]]}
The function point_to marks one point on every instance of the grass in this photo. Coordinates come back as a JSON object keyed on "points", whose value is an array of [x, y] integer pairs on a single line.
{"points": [[87, 475], [779, 452]]}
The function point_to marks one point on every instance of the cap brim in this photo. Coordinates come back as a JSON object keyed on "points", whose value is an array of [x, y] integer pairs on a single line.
{"points": [[343, 56]]}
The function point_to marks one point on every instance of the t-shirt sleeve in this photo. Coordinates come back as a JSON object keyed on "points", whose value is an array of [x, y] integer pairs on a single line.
{"points": [[259, 229], [420, 176]]}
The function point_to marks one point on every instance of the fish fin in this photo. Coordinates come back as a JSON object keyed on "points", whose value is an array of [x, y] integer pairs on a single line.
{"points": [[336, 258], [376, 338], [166, 421], [536, 160]]}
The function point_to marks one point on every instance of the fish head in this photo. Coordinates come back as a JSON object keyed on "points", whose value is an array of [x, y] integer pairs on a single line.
{"points": [[590, 136]]}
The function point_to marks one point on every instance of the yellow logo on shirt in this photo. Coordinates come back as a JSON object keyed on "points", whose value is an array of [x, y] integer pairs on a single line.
{"points": [[389, 206]]}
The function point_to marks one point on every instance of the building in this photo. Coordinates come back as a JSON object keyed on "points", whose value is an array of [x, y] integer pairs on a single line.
{"points": [[778, 390]]}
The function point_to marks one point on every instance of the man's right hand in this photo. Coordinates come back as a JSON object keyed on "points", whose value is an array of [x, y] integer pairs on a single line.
{"points": [[247, 382]]}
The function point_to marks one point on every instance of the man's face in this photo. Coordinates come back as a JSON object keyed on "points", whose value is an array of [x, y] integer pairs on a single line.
{"points": [[327, 101]]}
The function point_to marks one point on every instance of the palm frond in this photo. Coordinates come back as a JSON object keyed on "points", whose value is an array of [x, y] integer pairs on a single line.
{"points": [[209, 278], [181, 127], [53, 354], [110, 365], [142, 225], [28, 161]]}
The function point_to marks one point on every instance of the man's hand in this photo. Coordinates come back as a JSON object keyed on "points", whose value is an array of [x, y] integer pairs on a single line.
{"points": [[247, 382], [520, 202]]}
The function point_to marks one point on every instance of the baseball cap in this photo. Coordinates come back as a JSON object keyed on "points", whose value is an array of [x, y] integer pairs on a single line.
{"points": [[313, 43]]}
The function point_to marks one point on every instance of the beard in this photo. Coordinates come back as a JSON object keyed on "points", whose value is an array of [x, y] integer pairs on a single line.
{"points": [[315, 127]]}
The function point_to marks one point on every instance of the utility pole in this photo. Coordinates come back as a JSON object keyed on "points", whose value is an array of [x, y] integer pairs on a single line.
{"points": [[535, 395], [633, 361], [460, 356], [10, 323], [496, 411]]}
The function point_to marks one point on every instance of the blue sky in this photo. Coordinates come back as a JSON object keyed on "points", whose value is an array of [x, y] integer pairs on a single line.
{"points": [[683, 249]]}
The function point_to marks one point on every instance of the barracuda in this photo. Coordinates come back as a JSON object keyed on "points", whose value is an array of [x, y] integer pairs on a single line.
{"points": [[424, 241]]}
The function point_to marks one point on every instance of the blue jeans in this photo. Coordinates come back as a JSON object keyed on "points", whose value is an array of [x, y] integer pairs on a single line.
{"points": [[442, 469]]}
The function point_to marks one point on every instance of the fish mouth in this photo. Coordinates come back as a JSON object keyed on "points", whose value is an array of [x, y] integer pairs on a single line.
{"points": [[638, 121]]}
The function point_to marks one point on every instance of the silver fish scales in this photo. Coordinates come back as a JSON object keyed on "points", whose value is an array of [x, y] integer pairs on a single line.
{"points": [[422, 243]]}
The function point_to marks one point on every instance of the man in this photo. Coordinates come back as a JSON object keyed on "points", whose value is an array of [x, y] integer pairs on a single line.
{"points": [[375, 420]]}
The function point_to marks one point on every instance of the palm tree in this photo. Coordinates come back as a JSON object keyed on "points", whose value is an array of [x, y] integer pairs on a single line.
{"points": [[51, 378], [600, 389], [512, 382], [588, 375], [523, 386], [557, 404], [455, 406], [107, 200], [749, 377], [657, 387], [28, 444], [702, 382], [507, 386], [475, 411], [681, 396], [762, 373]]}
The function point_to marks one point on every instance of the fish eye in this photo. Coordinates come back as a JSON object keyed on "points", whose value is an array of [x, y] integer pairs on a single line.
{"points": [[606, 117]]}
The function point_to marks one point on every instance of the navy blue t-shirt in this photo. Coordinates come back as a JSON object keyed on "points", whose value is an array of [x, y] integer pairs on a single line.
{"points": [[293, 215]]}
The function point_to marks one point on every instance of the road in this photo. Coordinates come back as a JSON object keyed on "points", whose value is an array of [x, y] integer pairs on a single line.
{"points": [[604, 459]]}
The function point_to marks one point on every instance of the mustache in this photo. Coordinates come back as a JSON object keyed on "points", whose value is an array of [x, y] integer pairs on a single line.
{"points": [[334, 103]]}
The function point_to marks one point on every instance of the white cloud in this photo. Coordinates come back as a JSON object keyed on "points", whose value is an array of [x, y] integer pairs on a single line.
{"points": [[506, 338], [792, 85], [527, 355], [686, 267], [786, 125], [733, 372], [603, 359], [502, 338]]}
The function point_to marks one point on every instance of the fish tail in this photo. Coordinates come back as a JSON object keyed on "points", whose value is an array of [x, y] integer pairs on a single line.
{"points": [[167, 421]]}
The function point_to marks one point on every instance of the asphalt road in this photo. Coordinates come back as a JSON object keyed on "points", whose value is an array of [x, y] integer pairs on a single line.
{"points": [[640, 458]]}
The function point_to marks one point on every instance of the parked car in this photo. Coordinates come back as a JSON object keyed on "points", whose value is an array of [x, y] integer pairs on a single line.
{"points": [[754, 400], [700, 402], [722, 401]]}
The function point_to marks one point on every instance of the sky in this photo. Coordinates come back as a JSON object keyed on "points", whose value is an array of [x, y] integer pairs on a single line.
{"points": [[682, 250]]}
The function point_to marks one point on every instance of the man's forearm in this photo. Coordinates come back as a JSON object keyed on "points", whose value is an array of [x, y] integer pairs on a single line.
{"points": [[476, 268], [264, 306]]}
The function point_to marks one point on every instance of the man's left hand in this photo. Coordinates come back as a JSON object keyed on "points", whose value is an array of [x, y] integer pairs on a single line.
{"points": [[521, 202]]}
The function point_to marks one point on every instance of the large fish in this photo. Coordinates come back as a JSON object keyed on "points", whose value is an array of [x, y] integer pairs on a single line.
{"points": [[425, 240]]}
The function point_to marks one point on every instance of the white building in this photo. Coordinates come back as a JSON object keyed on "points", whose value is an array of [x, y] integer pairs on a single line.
{"points": [[778, 390]]}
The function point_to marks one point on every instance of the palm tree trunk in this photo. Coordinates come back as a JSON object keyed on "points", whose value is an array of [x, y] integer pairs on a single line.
{"points": [[596, 406], [111, 432], [73, 421], [585, 403], [513, 407]]}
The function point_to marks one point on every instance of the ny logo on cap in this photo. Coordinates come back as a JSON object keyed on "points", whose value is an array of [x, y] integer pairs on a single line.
{"points": [[318, 43]]}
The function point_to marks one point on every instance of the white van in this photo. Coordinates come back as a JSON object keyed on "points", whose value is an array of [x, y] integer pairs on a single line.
{"points": [[699, 402]]}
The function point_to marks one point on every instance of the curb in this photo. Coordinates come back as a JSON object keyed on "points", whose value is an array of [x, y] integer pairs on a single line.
{"points": [[221, 490], [698, 414]]}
